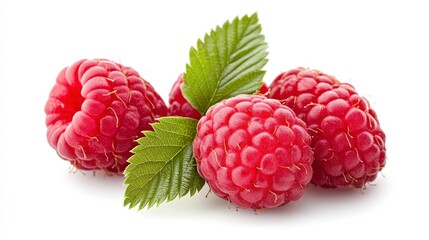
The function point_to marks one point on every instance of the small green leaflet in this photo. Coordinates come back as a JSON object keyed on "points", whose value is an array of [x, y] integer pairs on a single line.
{"points": [[163, 166], [227, 63]]}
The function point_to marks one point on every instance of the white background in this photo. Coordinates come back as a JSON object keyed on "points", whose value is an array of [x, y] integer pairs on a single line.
{"points": [[380, 47]]}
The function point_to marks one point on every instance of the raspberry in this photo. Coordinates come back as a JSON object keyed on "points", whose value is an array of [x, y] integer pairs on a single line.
{"points": [[179, 106], [348, 143], [96, 110], [254, 152]]}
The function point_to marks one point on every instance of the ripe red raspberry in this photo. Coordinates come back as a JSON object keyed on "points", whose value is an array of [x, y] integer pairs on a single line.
{"points": [[96, 110], [348, 143], [179, 106], [254, 152]]}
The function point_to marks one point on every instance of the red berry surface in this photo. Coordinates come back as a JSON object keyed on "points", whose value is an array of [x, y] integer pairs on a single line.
{"points": [[264, 89], [254, 152], [95, 111], [348, 143], [179, 106]]}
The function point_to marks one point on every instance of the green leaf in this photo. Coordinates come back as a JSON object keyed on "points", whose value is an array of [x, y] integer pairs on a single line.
{"points": [[163, 166], [227, 63]]}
